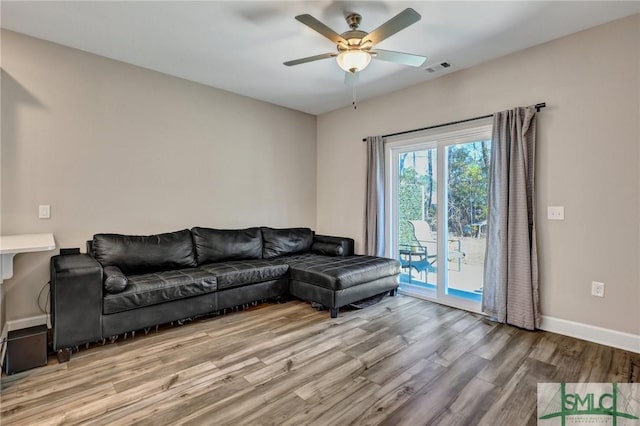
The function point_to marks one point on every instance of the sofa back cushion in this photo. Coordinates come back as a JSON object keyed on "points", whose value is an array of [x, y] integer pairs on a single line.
{"points": [[280, 242], [217, 245], [139, 254]]}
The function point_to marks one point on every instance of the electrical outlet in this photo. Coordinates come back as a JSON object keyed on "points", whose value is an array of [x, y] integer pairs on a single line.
{"points": [[555, 212], [44, 211], [597, 289]]}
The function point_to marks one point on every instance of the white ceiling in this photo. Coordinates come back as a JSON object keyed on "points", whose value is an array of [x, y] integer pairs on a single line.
{"points": [[240, 46]]}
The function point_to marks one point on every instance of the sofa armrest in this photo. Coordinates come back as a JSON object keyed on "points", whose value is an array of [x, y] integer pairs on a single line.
{"points": [[347, 244], [76, 300]]}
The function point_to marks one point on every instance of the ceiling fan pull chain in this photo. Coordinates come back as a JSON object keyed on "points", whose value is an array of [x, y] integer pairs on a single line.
{"points": [[355, 106]]}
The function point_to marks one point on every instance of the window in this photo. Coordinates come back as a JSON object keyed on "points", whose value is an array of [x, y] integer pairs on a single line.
{"points": [[437, 210]]}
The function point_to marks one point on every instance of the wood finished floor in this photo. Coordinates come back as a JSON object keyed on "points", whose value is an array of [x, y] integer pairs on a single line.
{"points": [[401, 362]]}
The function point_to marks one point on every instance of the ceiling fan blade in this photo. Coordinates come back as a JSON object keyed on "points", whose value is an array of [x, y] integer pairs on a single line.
{"points": [[310, 59], [399, 22], [398, 57], [318, 26], [350, 78]]}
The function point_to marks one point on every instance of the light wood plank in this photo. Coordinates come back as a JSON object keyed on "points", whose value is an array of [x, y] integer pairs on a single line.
{"points": [[400, 362]]}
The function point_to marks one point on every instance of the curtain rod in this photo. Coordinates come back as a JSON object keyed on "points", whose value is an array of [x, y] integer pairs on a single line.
{"points": [[538, 107]]}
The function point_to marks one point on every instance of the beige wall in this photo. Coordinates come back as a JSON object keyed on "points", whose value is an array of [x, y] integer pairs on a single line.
{"points": [[117, 148], [588, 160]]}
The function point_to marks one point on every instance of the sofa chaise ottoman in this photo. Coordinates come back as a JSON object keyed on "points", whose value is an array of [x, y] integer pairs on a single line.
{"points": [[126, 283]]}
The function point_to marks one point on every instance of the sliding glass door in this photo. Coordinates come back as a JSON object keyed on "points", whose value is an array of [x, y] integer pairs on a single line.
{"points": [[436, 213]]}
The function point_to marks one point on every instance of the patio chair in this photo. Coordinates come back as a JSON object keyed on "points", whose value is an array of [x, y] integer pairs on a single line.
{"points": [[417, 258], [426, 239]]}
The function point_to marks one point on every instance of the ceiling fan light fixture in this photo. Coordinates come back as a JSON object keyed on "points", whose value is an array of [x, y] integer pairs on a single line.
{"points": [[353, 61]]}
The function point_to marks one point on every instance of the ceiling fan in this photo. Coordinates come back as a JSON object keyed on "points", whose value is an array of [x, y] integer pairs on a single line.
{"points": [[356, 47]]}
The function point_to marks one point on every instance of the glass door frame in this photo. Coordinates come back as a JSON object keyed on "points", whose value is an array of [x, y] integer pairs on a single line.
{"points": [[439, 139]]}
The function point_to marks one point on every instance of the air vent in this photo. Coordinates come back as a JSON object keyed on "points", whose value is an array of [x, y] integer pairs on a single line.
{"points": [[438, 67]]}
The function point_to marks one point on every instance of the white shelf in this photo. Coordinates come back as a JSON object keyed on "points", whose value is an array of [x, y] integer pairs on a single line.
{"points": [[10, 245]]}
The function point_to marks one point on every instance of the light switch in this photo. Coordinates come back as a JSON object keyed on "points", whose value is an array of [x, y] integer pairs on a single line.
{"points": [[44, 211], [555, 212]]}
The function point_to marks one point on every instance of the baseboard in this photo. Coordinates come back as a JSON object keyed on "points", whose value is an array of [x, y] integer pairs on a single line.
{"points": [[3, 343], [19, 324], [604, 336]]}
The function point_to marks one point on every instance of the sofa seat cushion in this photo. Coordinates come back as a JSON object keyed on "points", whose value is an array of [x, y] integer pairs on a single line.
{"points": [[338, 273], [241, 272], [159, 287]]}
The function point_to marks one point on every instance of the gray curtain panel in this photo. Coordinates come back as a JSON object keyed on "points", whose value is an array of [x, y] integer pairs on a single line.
{"points": [[510, 292], [374, 208]]}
